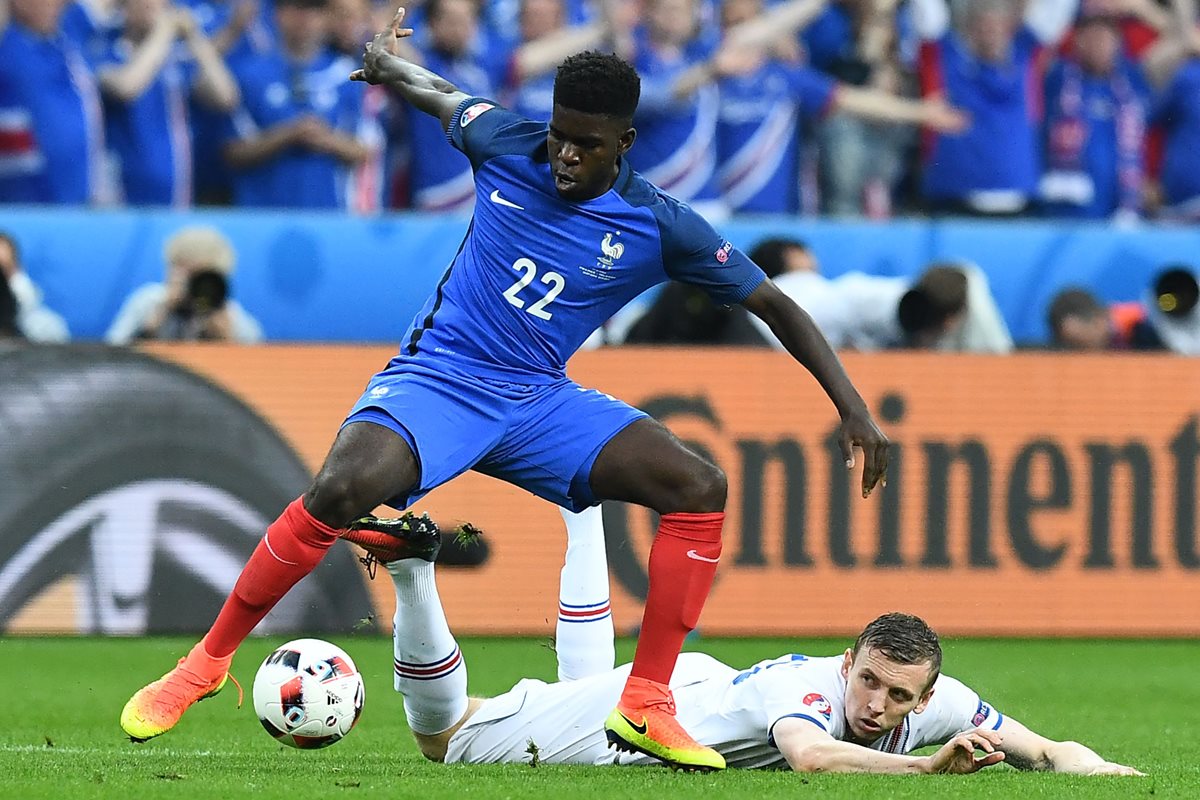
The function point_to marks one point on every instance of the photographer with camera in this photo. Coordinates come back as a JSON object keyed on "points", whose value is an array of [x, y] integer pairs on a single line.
{"points": [[194, 303], [32, 320]]}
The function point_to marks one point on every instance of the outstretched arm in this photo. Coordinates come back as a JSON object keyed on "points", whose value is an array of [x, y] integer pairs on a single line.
{"points": [[879, 106], [808, 749], [425, 90], [1027, 750], [801, 337], [126, 82], [215, 84], [739, 50]]}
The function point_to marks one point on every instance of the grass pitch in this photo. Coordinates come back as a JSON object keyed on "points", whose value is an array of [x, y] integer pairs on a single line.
{"points": [[1133, 702]]}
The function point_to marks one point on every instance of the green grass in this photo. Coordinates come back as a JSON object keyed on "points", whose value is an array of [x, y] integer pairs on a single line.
{"points": [[1134, 702]]}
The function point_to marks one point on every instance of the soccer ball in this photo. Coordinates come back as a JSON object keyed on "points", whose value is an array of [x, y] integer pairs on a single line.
{"points": [[308, 694]]}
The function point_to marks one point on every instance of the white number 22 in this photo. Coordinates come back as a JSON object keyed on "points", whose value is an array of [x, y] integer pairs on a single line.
{"points": [[555, 281]]}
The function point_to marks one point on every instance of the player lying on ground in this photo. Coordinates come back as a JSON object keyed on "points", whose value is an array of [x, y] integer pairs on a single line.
{"points": [[862, 711], [564, 234]]}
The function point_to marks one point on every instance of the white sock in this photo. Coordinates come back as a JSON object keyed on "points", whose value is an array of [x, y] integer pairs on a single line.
{"points": [[584, 634], [429, 669]]}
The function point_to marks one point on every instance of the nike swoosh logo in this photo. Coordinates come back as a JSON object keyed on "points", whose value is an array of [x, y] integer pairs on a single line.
{"points": [[692, 554], [497, 199], [639, 729]]}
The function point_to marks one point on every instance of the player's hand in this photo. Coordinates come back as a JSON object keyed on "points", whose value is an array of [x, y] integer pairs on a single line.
{"points": [[957, 756], [380, 50], [1109, 768], [859, 430]]}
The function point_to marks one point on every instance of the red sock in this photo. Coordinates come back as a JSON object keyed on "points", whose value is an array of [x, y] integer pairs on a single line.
{"points": [[294, 545], [683, 562]]}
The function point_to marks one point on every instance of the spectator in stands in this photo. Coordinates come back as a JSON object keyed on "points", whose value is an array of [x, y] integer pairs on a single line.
{"points": [[238, 29], [758, 138], [856, 42], [33, 320], [147, 72], [988, 65], [295, 140], [951, 308], [459, 51], [676, 118], [194, 303], [1094, 130], [54, 135], [1078, 321], [1175, 69], [547, 39], [353, 26]]}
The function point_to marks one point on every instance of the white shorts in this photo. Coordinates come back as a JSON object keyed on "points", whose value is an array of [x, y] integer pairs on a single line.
{"points": [[565, 721]]}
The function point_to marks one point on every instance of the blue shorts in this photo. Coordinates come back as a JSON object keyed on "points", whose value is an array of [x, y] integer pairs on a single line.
{"points": [[543, 438]]}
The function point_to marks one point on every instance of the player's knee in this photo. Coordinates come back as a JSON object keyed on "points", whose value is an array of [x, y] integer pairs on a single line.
{"points": [[706, 489], [335, 500]]}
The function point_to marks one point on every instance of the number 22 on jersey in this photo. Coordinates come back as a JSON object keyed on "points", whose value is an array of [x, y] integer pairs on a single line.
{"points": [[529, 272]]}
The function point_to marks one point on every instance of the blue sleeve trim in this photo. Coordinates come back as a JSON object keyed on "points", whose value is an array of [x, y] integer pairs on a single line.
{"points": [[747, 288], [454, 120], [999, 721], [813, 720]]}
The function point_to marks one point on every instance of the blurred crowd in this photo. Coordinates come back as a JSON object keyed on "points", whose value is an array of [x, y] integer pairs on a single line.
{"points": [[1055, 108]]}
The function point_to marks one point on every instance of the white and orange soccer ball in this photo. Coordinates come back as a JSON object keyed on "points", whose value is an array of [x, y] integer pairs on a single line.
{"points": [[308, 694]]}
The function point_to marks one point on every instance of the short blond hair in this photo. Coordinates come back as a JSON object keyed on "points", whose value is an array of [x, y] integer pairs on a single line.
{"points": [[201, 245]]}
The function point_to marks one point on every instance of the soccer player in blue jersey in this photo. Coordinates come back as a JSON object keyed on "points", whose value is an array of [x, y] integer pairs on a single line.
{"points": [[564, 234]]}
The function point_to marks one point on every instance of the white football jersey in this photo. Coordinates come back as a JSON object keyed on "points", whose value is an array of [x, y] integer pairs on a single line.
{"points": [[733, 711]]}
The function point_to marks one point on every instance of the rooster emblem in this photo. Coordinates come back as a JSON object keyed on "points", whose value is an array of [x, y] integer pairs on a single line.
{"points": [[611, 251]]}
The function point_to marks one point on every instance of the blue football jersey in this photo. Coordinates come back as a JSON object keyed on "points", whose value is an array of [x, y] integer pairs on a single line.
{"points": [[537, 274], [150, 135], [758, 138]]}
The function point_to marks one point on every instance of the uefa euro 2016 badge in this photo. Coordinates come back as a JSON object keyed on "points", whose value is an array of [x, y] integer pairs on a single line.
{"points": [[469, 115]]}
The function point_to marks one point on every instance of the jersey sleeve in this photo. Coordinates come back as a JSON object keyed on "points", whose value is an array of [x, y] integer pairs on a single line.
{"points": [[483, 129], [955, 708], [694, 253]]}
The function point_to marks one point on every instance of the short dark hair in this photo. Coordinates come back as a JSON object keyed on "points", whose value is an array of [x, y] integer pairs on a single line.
{"points": [[940, 294], [598, 83], [903, 638], [1073, 301], [771, 254]]}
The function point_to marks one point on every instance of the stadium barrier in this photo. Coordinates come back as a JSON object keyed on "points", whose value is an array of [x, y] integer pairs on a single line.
{"points": [[328, 277], [1029, 495]]}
